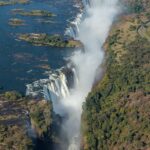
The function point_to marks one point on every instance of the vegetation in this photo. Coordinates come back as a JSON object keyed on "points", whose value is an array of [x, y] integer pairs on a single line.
{"points": [[41, 116], [40, 13], [15, 22], [137, 6], [116, 112], [22, 119], [13, 2], [14, 137], [144, 30], [12, 95], [49, 40]]}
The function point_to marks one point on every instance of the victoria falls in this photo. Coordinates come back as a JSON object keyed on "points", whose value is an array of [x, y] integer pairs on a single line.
{"points": [[74, 74]]}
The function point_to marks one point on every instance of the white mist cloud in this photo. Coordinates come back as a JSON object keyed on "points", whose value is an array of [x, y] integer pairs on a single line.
{"points": [[93, 32]]}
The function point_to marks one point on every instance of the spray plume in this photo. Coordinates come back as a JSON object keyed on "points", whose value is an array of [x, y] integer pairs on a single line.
{"points": [[92, 31], [91, 28]]}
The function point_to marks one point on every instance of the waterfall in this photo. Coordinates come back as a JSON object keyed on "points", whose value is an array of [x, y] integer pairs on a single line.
{"points": [[92, 30], [73, 29], [56, 87], [68, 87]]}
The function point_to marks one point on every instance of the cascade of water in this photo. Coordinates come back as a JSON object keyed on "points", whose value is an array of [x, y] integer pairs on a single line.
{"points": [[92, 31], [56, 87], [91, 27], [73, 29]]}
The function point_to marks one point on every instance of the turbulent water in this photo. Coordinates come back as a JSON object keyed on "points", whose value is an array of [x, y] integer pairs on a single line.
{"points": [[69, 86], [92, 31]]}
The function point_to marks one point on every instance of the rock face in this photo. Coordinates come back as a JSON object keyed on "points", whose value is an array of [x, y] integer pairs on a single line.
{"points": [[23, 121], [116, 112]]}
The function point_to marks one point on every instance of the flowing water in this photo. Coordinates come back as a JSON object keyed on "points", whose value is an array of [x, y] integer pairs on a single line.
{"points": [[91, 27], [68, 86], [92, 31], [22, 63]]}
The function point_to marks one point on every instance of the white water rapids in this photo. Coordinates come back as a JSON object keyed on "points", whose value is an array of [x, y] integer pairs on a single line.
{"points": [[91, 28], [92, 32]]}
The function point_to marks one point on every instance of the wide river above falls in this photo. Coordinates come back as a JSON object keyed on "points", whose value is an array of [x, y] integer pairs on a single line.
{"points": [[22, 63]]}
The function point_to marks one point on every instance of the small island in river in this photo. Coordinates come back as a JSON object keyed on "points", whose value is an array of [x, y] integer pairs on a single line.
{"points": [[16, 22], [56, 40], [13, 2], [39, 13]]}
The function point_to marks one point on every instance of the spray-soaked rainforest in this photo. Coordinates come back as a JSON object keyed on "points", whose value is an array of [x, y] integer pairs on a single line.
{"points": [[74, 74]]}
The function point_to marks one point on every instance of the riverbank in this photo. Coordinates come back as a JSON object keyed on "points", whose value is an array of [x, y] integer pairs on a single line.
{"points": [[23, 120], [115, 114]]}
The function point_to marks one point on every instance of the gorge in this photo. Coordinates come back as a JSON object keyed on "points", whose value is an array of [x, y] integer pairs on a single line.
{"points": [[91, 28], [74, 75]]}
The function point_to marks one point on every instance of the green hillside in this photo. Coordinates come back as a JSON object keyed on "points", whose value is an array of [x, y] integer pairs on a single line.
{"points": [[116, 114]]}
